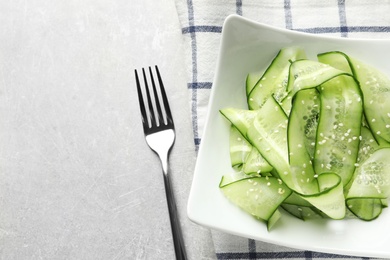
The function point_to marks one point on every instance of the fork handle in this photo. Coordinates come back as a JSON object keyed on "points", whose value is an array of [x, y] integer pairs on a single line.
{"points": [[178, 240]]}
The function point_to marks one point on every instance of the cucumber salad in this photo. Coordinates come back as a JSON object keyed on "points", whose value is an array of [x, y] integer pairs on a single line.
{"points": [[314, 141]]}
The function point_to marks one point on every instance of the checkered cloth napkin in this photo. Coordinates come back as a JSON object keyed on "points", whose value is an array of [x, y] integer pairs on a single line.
{"points": [[201, 22]]}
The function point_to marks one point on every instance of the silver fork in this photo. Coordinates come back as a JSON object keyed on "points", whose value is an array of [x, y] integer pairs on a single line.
{"points": [[159, 133]]}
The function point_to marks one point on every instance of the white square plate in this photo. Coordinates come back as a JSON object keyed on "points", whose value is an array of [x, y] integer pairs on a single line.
{"points": [[249, 46]]}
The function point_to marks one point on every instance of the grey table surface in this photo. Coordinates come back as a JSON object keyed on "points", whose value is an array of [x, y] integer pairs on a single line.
{"points": [[77, 180]]}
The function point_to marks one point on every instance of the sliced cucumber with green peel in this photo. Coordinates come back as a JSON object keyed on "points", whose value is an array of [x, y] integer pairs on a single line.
{"points": [[269, 137], [319, 131], [242, 119], [259, 196], [339, 127], [249, 160], [255, 163], [302, 132], [372, 177], [251, 80], [240, 148], [274, 81], [375, 87]]}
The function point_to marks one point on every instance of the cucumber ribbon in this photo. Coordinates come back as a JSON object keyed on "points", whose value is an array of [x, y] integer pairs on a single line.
{"points": [[308, 126]]}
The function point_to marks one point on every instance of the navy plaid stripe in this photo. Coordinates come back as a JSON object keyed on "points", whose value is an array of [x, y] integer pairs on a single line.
{"points": [[343, 18], [194, 110], [350, 29], [315, 30], [197, 141], [201, 28], [200, 85], [239, 7], [287, 14], [252, 249]]}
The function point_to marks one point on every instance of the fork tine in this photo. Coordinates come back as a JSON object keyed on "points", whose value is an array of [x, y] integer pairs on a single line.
{"points": [[151, 112], [160, 118], [164, 99], [141, 102]]}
